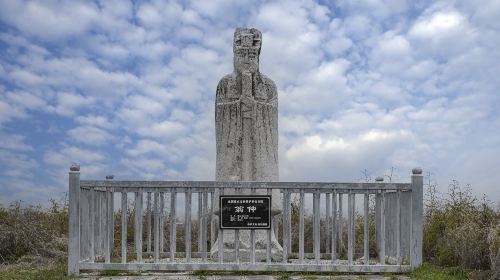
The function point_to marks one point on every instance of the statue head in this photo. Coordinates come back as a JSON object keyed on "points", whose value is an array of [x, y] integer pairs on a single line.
{"points": [[246, 49]]}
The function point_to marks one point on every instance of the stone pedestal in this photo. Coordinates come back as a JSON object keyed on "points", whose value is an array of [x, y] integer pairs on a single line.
{"points": [[245, 246], [244, 235]]}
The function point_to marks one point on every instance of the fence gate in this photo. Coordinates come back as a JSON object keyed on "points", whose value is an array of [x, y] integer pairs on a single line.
{"points": [[152, 229]]}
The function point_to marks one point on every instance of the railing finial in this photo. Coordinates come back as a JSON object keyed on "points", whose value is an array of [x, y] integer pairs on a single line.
{"points": [[379, 179], [74, 167], [416, 171]]}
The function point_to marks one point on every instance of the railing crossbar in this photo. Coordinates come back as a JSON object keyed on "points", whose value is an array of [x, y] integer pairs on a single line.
{"points": [[296, 186]]}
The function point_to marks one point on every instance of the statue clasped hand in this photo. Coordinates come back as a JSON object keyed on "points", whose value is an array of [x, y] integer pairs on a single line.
{"points": [[247, 99]]}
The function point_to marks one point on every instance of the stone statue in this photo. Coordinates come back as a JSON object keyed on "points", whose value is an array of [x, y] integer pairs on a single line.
{"points": [[246, 116], [246, 125]]}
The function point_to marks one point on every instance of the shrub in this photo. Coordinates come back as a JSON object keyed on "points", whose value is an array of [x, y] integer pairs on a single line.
{"points": [[456, 228], [33, 231]]}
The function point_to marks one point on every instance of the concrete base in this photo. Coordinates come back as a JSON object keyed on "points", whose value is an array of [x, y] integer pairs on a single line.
{"points": [[245, 246]]}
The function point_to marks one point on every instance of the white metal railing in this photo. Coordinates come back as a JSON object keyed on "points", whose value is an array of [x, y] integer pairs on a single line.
{"points": [[398, 218]]}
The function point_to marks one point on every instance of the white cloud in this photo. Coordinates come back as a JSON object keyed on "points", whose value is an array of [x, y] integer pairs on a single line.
{"points": [[320, 91], [444, 33], [487, 14], [26, 190], [15, 156], [27, 100], [90, 135], [26, 77], [17, 164], [146, 168], [94, 120], [291, 39], [199, 168], [14, 142], [67, 155], [8, 112], [68, 103], [49, 20], [392, 54], [437, 25], [378, 9], [165, 129], [149, 147], [362, 84], [338, 41], [340, 159], [158, 13]]}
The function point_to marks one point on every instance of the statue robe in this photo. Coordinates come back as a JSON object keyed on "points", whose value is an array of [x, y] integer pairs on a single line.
{"points": [[246, 125], [261, 118]]}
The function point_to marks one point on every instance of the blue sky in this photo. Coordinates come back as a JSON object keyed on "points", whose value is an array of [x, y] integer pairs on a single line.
{"points": [[127, 88]]}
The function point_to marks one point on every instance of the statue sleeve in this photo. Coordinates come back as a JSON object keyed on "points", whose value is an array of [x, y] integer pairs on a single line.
{"points": [[266, 137], [228, 137]]}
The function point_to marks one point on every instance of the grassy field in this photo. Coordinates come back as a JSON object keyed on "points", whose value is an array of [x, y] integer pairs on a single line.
{"points": [[18, 272]]}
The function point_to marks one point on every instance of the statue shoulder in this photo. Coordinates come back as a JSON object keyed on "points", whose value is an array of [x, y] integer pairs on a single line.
{"points": [[266, 89], [268, 82], [225, 81], [226, 89]]}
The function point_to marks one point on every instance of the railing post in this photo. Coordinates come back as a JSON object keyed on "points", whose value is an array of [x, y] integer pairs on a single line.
{"points": [[148, 222], [334, 226], [156, 224], [138, 225], [187, 224], [286, 204], [109, 221], [220, 243], [417, 208], [124, 227], [366, 229], [212, 219], [74, 220], [173, 228], [205, 227], [328, 236], [301, 226], [316, 225]]}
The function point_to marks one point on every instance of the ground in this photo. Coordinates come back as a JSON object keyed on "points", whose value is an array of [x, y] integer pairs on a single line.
{"points": [[58, 272]]}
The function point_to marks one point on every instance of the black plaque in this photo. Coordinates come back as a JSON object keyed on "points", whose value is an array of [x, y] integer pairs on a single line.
{"points": [[245, 211]]}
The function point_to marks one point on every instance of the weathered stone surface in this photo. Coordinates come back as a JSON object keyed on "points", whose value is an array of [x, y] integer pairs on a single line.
{"points": [[246, 126], [246, 116]]}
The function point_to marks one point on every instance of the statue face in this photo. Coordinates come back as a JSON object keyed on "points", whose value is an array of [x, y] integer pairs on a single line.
{"points": [[246, 59]]}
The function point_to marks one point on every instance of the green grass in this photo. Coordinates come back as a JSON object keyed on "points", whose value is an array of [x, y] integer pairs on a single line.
{"points": [[425, 272], [279, 274], [51, 273], [428, 272]]}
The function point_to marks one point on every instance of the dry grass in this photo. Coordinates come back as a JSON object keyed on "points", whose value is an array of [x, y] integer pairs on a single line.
{"points": [[33, 234], [456, 228]]}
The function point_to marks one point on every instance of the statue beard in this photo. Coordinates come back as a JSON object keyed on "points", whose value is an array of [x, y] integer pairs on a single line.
{"points": [[241, 67]]}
